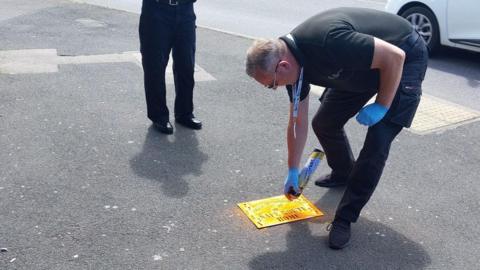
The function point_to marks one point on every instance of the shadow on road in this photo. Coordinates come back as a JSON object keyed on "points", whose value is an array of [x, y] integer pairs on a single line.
{"points": [[373, 246], [169, 159]]}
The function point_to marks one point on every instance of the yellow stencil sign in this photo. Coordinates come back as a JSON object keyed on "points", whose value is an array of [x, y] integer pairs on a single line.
{"points": [[278, 210]]}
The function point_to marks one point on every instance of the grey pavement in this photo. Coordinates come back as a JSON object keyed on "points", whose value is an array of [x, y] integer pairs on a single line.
{"points": [[86, 183]]}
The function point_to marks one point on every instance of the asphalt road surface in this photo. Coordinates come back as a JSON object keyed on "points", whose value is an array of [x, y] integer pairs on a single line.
{"points": [[86, 183]]}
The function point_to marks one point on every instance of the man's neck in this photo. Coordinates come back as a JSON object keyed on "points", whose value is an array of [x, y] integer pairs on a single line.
{"points": [[290, 57]]}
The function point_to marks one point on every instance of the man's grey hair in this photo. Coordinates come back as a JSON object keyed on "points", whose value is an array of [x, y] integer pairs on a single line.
{"points": [[263, 55]]}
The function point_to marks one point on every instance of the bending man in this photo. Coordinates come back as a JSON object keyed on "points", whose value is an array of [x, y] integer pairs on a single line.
{"points": [[356, 54]]}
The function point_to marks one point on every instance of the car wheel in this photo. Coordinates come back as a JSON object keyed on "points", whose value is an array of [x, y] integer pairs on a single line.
{"points": [[424, 21]]}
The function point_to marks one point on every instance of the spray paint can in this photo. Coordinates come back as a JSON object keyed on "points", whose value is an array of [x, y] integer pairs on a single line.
{"points": [[310, 166]]}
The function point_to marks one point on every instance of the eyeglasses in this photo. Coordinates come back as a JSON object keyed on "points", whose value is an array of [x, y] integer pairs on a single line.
{"points": [[274, 85]]}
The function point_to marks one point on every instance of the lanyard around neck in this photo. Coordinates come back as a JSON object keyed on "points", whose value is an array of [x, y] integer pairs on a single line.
{"points": [[297, 89]]}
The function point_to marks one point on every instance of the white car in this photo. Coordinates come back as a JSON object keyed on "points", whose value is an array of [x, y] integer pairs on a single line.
{"points": [[453, 23]]}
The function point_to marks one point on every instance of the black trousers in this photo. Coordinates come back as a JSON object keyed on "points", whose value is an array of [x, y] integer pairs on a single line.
{"points": [[163, 29], [339, 106]]}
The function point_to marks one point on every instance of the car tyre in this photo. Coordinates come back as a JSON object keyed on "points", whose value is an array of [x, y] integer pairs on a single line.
{"points": [[426, 24]]}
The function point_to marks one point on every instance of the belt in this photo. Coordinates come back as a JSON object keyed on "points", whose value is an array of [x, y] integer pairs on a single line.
{"points": [[175, 2]]}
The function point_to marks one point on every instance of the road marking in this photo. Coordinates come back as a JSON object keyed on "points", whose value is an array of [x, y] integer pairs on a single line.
{"points": [[91, 23], [47, 60], [433, 114]]}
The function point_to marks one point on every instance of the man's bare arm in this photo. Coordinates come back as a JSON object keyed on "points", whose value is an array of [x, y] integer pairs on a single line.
{"points": [[297, 143], [389, 59]]}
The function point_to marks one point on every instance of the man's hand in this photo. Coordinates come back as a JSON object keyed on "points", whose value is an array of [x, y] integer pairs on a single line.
{"points": [[371, 114], [291, 188]]}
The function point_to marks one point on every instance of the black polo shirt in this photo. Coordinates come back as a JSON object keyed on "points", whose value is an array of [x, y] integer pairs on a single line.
{"points": [[335, 47]]}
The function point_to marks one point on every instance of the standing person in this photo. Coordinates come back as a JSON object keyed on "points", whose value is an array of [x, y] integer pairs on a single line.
{"points": [[168, 25], [356, 54]]}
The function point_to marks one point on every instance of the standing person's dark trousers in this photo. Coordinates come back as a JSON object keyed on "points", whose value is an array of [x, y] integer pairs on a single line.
{"points": [[338, 107], [168, 26]]}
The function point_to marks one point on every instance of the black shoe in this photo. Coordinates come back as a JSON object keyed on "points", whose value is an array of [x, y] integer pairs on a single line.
{"points": [[190, 122], [339, 233], [163, 127], [329, 181]]}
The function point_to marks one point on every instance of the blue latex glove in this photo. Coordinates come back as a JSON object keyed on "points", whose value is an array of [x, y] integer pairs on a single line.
{"points": [[291, 188], [371, 114]]}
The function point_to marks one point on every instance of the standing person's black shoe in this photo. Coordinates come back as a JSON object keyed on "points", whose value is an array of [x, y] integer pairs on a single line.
{"points": [[190, 122], [163, 127], [339, 233], [329, 181]]}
